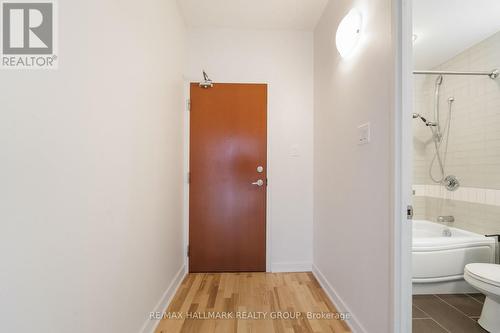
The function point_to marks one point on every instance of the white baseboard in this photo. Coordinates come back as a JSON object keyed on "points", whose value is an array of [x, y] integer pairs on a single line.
{"points": [[340, 305], [289, 267], [150, 325]]}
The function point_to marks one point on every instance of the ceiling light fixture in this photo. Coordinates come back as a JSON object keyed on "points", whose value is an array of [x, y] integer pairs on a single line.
{"points": [[349, 33]]}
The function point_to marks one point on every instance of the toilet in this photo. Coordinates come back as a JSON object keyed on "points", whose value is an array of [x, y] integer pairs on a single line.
{"points": [[486, 279]]}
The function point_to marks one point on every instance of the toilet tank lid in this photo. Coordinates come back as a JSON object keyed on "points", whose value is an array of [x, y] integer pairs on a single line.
{"points": [[489, 273]]}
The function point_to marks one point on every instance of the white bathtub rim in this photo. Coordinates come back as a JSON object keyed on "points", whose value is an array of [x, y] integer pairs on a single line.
{"points": [[437, 242], [440, 226], [430, 246]]}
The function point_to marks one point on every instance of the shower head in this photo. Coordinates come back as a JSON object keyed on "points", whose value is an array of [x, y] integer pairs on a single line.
{"points": [[417, 115], [439, 80], [427, 123]]}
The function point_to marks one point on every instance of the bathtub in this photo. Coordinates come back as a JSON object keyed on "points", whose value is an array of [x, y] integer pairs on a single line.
{"points": [[439, 260]]}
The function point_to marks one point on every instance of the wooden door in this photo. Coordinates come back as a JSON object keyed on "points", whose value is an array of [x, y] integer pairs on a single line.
{"points": [[227, 209]]}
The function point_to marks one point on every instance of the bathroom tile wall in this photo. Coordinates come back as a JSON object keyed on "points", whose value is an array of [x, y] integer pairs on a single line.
{"points": [[482, 219], [474, 141]]}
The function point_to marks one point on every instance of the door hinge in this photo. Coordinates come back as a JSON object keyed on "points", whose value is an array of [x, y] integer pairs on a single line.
{"points": [[409, 212], [188, 253], [189, 178], [188, 105]]}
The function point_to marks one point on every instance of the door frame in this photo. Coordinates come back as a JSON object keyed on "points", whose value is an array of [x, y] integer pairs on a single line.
{"points": [[402, 147], [186, 151]]}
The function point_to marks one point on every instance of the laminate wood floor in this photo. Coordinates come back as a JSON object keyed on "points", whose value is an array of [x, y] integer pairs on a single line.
{"points": [[251, 302]]}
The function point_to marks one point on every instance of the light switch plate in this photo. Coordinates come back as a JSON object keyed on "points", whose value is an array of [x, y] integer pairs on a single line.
{"points": [[364, 134]]}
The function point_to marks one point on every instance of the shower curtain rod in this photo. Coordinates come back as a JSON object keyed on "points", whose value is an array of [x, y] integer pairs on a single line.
{"points": [[493, 74]]}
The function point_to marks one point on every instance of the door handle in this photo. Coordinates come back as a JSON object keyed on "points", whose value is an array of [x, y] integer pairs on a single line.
{"points": [[259, 183]]}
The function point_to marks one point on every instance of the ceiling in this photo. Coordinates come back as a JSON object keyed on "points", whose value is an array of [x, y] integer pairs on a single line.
{"points": [[445, 28], [253, 14]]}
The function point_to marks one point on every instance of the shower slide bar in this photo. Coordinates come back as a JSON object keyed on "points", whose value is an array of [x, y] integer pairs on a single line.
{"points": [[492, 74]]}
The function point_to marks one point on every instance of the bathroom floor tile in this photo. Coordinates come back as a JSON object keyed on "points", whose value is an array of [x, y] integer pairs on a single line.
{"points": [[426, 326], [478, 297], [418, 314], [445, 315], [464, 303]]}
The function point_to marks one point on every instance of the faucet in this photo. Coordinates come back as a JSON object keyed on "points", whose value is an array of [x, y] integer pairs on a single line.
{"points": [[443, 219]]}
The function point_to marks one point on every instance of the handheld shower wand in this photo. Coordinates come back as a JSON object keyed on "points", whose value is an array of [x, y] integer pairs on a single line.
{"points": [[437, 133], [438, 138], [439, 156]]}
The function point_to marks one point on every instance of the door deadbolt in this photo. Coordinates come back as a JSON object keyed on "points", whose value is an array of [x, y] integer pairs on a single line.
{"points": [[260, 169], [259, 183]]}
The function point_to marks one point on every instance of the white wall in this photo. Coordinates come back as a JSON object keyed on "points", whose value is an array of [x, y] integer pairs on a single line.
{"points": [[352, 197], [283, 60], [91, 172]]}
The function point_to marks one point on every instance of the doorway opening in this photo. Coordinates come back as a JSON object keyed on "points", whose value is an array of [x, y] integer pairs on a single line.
{"points": [[449, 171]]}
